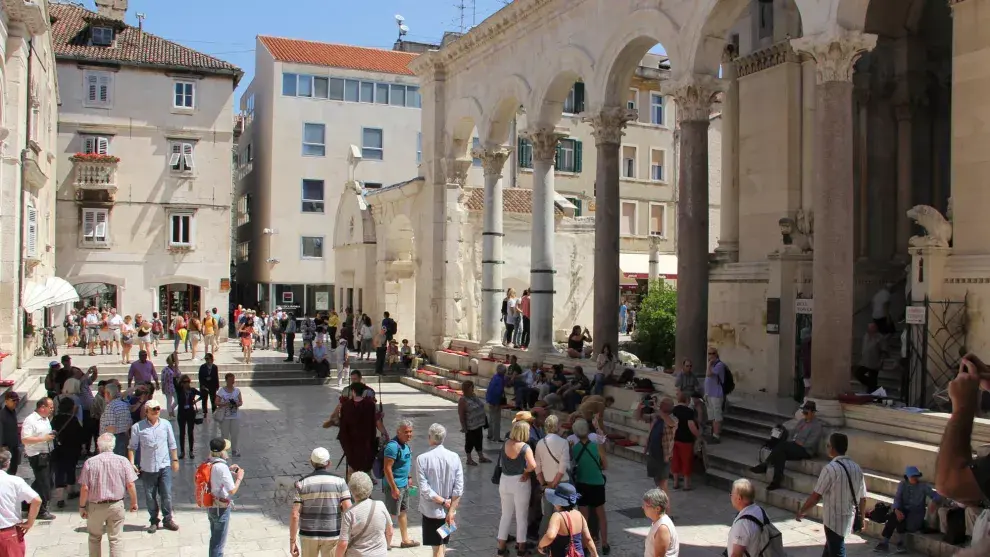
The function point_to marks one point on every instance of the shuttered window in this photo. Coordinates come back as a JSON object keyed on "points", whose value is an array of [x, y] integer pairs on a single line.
{"points": [[525, 152], [181, 157], [96, 144], [568, 157], [98, 87], [94, 227], [31, 236]]}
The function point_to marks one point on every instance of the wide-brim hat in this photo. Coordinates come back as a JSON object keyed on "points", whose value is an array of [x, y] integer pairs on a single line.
{"points": [[564, 495], [809, 406], [523, 416], [912, 472]]}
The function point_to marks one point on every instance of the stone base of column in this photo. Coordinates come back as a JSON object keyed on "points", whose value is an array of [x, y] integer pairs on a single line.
{"points": [[829, 411], [727, 252], [537, 352]]}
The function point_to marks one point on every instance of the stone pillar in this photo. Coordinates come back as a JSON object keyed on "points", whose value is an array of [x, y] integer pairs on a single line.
{"points": [[541, 268], [654, 258], [728, 242], [607, 128], [493, 159], [905, 178], [835, 52], [455, 323], [693, 95]]}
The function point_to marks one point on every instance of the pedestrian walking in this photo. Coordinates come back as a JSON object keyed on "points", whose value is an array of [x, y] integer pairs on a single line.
{"points": [[590, 463], [842, 489], [102, 483], [209, 383], [67, 449], [170, 376], [752, 532], [715, 393], [553, 463], [290, 337], [225, 481], [142, 371], [687, 432], [662, 540], [157, 331], [37, 437], [14, 492], [471, 411], [494, 394], [320, 501], [660, 442], [441, 486], [229, 402], [514, 487], [154, 438], [397, 466], [10, 434], [567, 528], [343, 360], [365, 529], [188, 397], [116, 418]]}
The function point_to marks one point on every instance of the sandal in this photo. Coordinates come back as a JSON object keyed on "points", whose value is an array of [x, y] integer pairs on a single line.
{"points": [[484, 460], [502, 552], [406, 545], [606, 549], [471, 462]]}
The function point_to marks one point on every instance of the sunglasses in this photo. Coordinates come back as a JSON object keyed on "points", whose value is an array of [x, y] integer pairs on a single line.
{"points": [[154, 409]]}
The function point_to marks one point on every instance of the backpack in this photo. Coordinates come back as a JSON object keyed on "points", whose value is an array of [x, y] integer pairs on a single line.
{"points": [[201, 481], [771, 542], [378, 468], [392, 327], [156, 327], [221, 322], [729, 384]]}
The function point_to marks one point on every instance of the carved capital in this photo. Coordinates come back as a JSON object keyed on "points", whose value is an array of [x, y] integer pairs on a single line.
{"points": [[607, 126], [544, 140], [492, 159], [455, 171], [835, 52], [694, 95]]}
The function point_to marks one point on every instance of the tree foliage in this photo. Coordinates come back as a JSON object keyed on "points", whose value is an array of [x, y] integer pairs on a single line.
{"points": [[656, 324]]}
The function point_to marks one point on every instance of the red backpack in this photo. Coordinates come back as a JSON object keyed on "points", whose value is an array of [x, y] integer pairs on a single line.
{"points": [[201, 481]]}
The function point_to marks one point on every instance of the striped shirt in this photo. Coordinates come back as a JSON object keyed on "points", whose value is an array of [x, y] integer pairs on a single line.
{"points": [[117, 415], [107, 475], [838, 499], [319, 496]]}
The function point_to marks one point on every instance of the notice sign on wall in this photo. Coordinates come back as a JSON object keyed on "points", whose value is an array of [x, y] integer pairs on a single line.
{"points": [[915, 315], [804, 306], [224, 285], [773, 316], [287, 297], [322, 301]]}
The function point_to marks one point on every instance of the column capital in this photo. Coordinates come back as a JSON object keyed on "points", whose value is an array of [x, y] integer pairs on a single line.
{"points": [[694, 95], [607, 126], [544, 140], [455, 171], [835, 52], [492, 158]]}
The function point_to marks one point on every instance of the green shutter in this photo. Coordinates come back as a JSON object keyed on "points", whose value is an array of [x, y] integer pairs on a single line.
{"points": [[577, 156], [577, 204], [557, 157], [525, 154], [578, 97]]}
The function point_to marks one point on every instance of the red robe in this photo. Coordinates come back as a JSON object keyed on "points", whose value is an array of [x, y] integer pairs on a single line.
{"points": [[357, 433]]}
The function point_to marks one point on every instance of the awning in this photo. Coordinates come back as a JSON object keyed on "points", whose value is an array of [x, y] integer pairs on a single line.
{"points": [[635, 266], [61, 292], [55, 291], [36, 297]]}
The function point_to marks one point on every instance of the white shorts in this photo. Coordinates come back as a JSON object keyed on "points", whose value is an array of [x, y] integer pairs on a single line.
{"points": [[714, 408]]}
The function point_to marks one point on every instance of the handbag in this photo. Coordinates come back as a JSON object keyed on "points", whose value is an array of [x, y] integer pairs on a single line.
{"points": [[371, 515], [497, 472], [857, 518]]}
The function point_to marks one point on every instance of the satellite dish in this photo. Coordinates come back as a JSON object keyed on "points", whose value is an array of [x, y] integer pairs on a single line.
{"points": [[399, 19], [403, 29]]}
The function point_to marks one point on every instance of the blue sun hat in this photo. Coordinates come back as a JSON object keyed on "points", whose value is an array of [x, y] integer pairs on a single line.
{"points": [[564, 495], [912, 472]]}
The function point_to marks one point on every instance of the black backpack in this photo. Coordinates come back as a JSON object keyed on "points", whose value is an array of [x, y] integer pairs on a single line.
{"points": [[729, 384]]}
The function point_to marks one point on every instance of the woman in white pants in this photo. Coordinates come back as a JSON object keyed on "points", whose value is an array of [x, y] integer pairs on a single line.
{"points": [[229, 402], [514, 487], [343, 363]]}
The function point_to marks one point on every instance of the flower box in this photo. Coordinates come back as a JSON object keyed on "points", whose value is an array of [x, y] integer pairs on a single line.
{"points": [[94, 157]]}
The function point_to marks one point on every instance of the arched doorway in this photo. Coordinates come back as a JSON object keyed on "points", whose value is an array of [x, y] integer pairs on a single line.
{"points": [[177, 299], [100, 295]]}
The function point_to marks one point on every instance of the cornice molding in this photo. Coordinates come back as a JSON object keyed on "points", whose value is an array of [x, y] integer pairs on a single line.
{"points": [[766, 58], [835, 52]]}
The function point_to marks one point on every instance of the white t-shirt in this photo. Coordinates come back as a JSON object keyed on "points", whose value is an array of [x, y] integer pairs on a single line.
{"points": [[510, 311], [880, 301], [221, 482], [13, 491], [673, 548], [230, 412], [36, 425], [745, 532], [116, 321], [92, 320]]}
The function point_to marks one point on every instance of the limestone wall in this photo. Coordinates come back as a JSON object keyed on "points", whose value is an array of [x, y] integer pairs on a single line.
{"points": [[737, 327]]}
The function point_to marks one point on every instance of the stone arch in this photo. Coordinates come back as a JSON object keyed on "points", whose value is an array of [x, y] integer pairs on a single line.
{"points": [[705, 33], [354, 223], [107, 279], [513, 91], [573, 63], [202, 282], [465, 114], [641, 31]]}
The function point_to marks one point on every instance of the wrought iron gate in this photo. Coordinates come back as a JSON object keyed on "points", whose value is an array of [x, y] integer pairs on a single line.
{"points": [[934, 350], [802, 322]]}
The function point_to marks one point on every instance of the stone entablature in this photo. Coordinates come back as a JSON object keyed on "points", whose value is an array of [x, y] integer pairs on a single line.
{"points": [[766, 58]]}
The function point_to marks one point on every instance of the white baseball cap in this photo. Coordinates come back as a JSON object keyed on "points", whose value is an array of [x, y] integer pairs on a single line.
{"points": [[320, 456]]}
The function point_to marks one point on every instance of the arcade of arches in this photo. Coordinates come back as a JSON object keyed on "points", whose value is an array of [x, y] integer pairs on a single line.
{"points": [[835, 122]]}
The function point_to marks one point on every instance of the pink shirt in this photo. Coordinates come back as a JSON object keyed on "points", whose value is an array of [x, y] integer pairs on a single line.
{"points": [[524, 306]]}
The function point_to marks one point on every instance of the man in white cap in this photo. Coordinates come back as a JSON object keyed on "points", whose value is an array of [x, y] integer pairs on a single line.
{"points": [[320, 500], [223, 486], [156, 441]]}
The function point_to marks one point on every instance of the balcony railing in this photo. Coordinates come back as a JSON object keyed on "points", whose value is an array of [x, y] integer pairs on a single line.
{"points": [[95, 175]]}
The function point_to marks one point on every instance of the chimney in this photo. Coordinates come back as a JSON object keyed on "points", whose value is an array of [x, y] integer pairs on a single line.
{"points": [[112, 9]]}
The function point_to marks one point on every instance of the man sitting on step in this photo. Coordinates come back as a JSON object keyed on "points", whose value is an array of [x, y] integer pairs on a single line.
{"points": [[801, 446]]}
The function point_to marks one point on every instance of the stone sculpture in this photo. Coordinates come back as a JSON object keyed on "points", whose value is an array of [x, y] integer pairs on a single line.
{"points": [[794, 234], [938, 230]]}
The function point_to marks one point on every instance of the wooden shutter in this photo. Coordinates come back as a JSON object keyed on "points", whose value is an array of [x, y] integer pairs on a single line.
{"points": [[173, 159], [102, 145], [100, 235], [89, 225], [32, 232], [104, 89], [92, 87], [89, 145], [187, 155], [557, 157], [578, 164], [578, 97]]}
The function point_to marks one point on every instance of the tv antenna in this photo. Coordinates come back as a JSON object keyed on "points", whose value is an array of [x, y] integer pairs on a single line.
{"points": [[403, 28], [462, 7]]}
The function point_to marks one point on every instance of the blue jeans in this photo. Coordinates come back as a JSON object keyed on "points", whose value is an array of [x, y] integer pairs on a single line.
{"points": [[598, 386], [158, 485], [219, 523], [835, 544]]}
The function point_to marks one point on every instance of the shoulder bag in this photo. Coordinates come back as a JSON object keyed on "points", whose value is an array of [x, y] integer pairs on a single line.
{"points": [[497, 473], [857, 518], [371, 516]]}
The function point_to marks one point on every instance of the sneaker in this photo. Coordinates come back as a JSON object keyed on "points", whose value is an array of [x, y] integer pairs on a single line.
{"points": [[46, 516], [759, 469], [901, 548], [153, 527], [773, 486], [882, 547], [170, 525]]}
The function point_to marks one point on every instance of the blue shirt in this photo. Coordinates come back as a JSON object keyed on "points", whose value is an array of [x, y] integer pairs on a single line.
{"points": [[403, 462], [495, 390], [155, 442], [713, 384]]}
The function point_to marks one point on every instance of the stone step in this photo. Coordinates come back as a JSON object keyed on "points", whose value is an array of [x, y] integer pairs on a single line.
{"points": [[450, 360]]}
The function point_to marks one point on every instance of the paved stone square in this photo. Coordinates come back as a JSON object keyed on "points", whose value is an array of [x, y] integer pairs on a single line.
{"points": [[282, 425]]}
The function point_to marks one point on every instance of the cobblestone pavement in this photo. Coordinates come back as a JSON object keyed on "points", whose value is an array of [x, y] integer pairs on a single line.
{"points": [[282, 425]]}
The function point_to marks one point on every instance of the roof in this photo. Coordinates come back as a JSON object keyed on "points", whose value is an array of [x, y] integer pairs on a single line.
{"points": [[514, 200], [70, 40], [339, 55]]}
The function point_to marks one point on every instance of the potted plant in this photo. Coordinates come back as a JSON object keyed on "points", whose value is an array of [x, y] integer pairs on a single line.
{"points": [[94, 157], [28, 330]]}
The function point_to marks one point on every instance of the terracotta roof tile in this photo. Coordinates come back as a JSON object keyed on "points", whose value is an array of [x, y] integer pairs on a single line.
{"points": [[339, 55], [70, 39], [514, 200]]}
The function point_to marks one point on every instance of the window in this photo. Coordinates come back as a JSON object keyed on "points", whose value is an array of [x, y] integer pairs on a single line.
{"points": [[305, 86], [372, 185], [96, 144], [656, 109], [525, 153], [658, 224], [336, 89], [475, 144], [574, 103], [321, 87], [578, 205], [31, 235], [98, 88], [419, 147], [181, 158], [312, 196], [627, 220], [314, 140], [381, 93], [372, 144], [244, 209], [102, 36], [180, 230], [633, 101], [243, 251], [766, 20], [568, 156], [94, 227], [352, 90], [184, 94], [397, 95], [289, 84], [413, 98], [367, 92], [656, 165], [312, 247], [628, 161]]}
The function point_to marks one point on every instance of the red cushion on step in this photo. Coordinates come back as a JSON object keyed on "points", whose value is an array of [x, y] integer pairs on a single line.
{"points": [[466, 372], [623, 442], [430, 373], [458, 393], [616, 436], [429, 383]]}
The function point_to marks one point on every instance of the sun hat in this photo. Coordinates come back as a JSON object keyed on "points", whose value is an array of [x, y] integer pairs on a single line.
{"points": [[153, 404], [320, 456], [564, 495], [912, 472], [523, 416], [219, 445]]}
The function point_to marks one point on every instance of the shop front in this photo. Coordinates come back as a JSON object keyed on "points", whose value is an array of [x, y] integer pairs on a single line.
{"points": [[100, 295], [178, 299], [300, 299]]}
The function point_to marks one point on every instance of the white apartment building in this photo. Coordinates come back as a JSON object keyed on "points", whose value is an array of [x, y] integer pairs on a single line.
{"points": [[29, 101], [145, 137], [308, 104]]}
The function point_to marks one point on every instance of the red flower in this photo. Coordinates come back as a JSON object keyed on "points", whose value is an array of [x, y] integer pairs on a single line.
{"points": [[94, 157]]}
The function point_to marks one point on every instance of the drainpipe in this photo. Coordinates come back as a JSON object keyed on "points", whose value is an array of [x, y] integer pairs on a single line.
{"points": [[677, 176], [514, 160], [21, 212]]}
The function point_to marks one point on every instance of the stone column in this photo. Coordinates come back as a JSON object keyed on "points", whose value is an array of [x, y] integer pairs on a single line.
{"points": [[905, 178], [728, 242], [607, 128], [835, 52], [654, 258], [455, 314], [541, 268], [493, 159], [693, 95]]}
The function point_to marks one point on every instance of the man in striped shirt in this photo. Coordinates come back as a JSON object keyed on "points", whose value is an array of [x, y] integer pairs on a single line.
{"points": [[321, 498], [103, 481], [842, 488], [116, 419]]}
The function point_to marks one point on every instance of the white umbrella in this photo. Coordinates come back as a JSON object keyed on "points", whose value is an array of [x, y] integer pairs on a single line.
{"points": [[36, 296], [61, 292]]}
